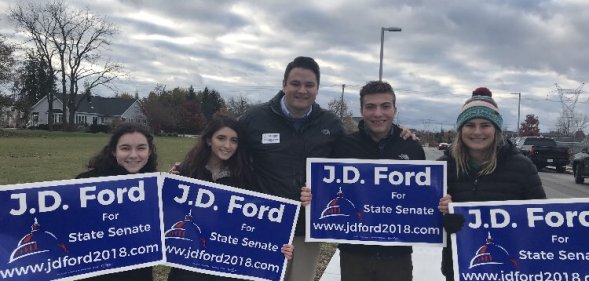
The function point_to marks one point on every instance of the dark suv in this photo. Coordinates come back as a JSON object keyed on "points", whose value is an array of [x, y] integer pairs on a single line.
{"points": [[544, 152]]}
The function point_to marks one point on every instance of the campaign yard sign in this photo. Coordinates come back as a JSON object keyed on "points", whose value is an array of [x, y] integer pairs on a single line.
{"points": [[375, 202], [523, 240], [79, 228], [226, 231]]}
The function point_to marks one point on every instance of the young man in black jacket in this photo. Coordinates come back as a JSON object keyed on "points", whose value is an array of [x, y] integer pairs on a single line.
{"points": [[377, 138], [280, 135]]}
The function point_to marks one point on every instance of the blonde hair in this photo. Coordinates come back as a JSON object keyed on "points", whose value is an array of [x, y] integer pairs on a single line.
{"points": [[460, 154]]}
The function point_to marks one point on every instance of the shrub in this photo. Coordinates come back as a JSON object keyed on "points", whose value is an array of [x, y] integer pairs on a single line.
{"points": [[97, 128]]}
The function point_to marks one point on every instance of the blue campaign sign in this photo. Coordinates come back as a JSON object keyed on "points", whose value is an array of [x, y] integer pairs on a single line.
{"points": [[375, 202], [226, 231], [522, 240], [79, 228]]}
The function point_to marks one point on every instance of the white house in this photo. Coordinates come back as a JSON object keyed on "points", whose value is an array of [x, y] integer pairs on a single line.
{"points": [[95, 110]]}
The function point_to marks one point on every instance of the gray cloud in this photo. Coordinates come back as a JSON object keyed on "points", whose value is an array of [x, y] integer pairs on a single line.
{"points": [[446, 49]]}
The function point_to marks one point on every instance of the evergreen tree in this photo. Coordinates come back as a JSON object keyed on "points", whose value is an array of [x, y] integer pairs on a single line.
{"points": [[210, 102], [530, 126], [34, 80]]}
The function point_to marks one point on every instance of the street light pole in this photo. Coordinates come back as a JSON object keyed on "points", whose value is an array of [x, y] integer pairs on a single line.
{"points": [[519, 101], [382, 30]]}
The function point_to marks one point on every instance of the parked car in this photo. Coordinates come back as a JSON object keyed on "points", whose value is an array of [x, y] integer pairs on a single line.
{"points": [[544, 152], [580, 165], [443, 146]]}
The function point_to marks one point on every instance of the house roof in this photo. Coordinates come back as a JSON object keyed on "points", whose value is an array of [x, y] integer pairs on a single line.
{"points": [[105, 106]]}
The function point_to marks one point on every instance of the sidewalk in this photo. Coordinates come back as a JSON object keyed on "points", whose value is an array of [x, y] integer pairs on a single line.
{"points": [[426, 265]]}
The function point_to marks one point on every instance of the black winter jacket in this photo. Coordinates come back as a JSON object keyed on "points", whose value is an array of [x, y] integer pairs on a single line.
{"points": [[225, 180], [141, 274], [515, 178], [360, 145], [278, 161]]}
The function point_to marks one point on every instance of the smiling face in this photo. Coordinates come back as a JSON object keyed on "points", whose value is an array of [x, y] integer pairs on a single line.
{"points": [[223, 144], [478, 135], [378, 111], [132, 152], [300, 90]]}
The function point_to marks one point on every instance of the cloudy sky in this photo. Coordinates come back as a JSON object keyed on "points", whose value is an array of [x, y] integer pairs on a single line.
{"points": [[444, 51]]}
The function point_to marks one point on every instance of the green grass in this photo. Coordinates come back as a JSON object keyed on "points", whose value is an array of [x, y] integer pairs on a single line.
{"points": [[32, 156]]}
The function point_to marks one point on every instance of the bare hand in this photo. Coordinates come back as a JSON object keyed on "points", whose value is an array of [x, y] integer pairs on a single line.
{"points": [[443, 204], [306, 196], [287, 250], [175, 169], [406, 133]]}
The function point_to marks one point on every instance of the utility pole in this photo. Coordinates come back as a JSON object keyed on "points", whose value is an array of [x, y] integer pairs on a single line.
{"points": [[568, 99]]}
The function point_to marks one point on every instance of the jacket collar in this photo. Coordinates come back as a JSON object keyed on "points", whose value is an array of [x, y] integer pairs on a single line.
{"points": [[363, 130], [287, 113]]}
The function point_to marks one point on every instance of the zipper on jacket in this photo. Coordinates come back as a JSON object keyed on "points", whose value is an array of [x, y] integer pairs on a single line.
{"points": [[475, 184]]}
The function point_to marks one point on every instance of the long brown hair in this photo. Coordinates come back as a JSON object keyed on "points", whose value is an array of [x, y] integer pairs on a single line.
{"points": [[197, 158], [460, 154]]}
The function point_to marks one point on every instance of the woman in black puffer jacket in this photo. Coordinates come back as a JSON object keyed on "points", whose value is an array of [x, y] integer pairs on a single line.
{"points": [[130, 150], [483, 166]]}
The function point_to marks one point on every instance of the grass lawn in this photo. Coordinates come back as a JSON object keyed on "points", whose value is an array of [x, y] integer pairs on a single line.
{"points": [[36, 155], [32, 156]]}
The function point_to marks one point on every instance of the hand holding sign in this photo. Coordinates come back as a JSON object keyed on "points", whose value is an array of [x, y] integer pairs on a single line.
{"points": [[306, 196]]}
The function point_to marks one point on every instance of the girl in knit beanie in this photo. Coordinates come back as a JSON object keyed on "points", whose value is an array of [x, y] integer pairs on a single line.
{"points": [[483, 166], [479, 133]]}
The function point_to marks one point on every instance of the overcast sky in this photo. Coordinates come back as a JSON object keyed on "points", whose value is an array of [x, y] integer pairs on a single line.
{"points": [[446, 49]]}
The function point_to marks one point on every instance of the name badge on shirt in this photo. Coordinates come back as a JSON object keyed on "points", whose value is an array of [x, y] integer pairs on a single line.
{"points": [[270, 138]]}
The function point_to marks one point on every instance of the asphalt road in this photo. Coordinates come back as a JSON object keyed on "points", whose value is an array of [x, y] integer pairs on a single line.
{"points": [[556, 185]]}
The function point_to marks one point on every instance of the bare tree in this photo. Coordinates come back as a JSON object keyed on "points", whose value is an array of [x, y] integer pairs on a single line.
{"points": [[6, 60], [237, 106], [340, 108], [39, 27], [568, 125], [72, 41]]}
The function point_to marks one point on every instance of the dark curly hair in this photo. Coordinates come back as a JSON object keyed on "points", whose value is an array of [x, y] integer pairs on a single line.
{"points": [[376, 87], [305, 63], [105, 160], [197, 158]]}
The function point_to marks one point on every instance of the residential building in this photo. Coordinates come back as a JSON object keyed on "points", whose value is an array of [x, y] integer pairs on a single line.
{"points": [[93, 110]]}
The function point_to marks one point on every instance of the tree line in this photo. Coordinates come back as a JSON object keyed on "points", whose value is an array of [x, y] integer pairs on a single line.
{"points": [[187, 111]]}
